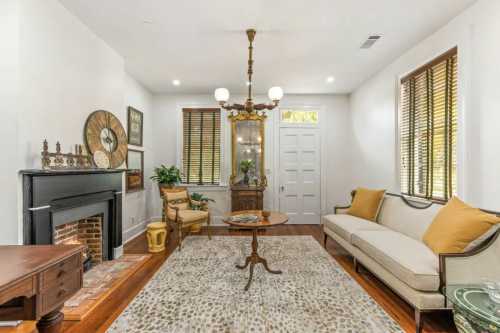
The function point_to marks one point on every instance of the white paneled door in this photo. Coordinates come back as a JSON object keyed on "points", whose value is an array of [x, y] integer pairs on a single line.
{"points": [[300, 174]]}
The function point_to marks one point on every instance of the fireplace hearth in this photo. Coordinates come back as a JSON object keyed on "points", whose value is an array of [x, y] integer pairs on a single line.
{"points": [[74, 206]]}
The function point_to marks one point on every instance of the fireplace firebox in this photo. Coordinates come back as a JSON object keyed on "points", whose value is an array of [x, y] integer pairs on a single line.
{"points": [[74, 206]]}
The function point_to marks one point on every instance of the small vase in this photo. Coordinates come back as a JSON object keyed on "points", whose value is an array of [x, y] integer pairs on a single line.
{"points": [[246, 179]]}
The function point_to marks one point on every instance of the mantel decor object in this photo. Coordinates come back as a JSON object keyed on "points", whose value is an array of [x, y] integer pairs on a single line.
{"points": [[249, 107], [61, 161]]}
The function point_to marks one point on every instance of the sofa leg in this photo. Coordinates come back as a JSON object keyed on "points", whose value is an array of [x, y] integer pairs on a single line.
{"points": [[418, 321], [356, 265], [325, 238]]}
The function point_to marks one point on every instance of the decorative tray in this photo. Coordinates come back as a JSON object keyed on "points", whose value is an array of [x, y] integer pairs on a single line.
{"points": [[243, 218]]}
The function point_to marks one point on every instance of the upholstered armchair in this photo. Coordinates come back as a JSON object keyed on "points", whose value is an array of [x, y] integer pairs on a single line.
{"points": [[178, 211]]}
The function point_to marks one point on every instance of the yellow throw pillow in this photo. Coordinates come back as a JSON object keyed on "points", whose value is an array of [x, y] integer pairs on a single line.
{"points": [[456, 225], [366, 203]]}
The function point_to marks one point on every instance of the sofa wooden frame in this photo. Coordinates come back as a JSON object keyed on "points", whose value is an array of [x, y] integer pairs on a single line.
{"points": [[444, 258]]}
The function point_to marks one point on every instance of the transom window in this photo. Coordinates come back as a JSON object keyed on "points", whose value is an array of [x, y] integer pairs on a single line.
{"points": [[201, 146], [299, 116], [428, 129]]}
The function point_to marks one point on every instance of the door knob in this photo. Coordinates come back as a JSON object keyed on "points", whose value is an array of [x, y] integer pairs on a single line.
{"points": [[282, 188]]}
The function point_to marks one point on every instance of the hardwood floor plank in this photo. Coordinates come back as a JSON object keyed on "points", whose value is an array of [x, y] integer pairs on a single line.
{"points": [[398, 309]]}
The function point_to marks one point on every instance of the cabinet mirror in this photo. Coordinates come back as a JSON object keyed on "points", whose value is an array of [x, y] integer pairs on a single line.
{"points": [[248, 150]]}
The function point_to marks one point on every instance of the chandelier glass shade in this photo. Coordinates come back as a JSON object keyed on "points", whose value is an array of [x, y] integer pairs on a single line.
{"points": [[275, 93]]}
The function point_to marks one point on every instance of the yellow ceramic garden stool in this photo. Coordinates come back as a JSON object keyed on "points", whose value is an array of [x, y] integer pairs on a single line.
{"points": [[156, 234]]}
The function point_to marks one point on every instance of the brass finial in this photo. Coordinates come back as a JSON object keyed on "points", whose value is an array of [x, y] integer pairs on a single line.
{"points": [[251, 34]]}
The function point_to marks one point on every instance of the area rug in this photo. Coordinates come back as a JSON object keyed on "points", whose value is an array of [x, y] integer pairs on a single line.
{"points": [[100, 282], [199, 290]]}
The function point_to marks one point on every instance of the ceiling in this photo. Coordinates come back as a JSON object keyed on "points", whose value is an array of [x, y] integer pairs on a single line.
{"points": [[298, 44]]}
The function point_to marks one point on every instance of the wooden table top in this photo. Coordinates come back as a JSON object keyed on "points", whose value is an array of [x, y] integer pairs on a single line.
{"points": [[21, 261], [274, 219]]}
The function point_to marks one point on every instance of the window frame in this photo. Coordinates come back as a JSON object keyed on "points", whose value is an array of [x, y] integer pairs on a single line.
{"points": [[440, 57], [180, 146]]}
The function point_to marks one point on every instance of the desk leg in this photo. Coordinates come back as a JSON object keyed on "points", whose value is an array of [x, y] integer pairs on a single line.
{"points": [[51, 322]]}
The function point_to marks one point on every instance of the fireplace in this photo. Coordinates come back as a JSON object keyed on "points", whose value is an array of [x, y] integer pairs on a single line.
{"points": [[88, 232], [74, 206]]}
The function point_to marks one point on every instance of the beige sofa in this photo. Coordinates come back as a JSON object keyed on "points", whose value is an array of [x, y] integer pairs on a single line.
{"points": [[393, 250]]}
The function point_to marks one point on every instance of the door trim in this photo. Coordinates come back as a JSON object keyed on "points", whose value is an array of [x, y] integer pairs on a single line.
{"points": [[276, 151]]}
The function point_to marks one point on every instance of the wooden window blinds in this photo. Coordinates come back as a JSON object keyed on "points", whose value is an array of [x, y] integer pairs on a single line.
{"points": [[201, 146], [428, 129]]}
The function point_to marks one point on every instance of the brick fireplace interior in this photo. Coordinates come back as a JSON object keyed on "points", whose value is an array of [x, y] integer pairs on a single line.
{"points": [[87, 231]]}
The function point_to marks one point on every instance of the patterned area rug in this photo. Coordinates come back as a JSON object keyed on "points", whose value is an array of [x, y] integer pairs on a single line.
{"points": [[200, 290]]}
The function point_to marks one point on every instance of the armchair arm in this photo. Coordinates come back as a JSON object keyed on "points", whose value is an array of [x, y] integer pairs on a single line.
{"points": [[176, 209], [472, 266], [340, 209]]}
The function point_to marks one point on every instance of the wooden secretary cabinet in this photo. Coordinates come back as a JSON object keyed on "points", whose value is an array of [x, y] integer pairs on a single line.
{"points": [[246, 198], [248, 180]]}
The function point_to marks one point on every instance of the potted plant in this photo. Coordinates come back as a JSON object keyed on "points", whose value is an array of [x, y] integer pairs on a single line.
{"points": [[166, 177], [245, 166], [199, 201]]}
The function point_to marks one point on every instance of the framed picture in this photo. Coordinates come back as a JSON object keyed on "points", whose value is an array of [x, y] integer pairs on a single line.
{"points": [[135, 127], [135, 170]]}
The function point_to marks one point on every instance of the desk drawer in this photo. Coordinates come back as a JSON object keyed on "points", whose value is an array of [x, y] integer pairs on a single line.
{"points": [[60, 291], [60, 271]]}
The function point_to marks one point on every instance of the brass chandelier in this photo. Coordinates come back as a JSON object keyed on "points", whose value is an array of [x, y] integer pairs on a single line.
{"points": [[275, 93]]}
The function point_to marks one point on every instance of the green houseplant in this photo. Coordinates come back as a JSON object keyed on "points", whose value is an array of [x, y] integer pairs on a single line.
{"points": [[245, 166], [198, 200], [166, 176]]}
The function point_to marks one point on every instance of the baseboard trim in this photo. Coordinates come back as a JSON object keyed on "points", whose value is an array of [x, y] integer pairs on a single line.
{"points": [[135, 231]]}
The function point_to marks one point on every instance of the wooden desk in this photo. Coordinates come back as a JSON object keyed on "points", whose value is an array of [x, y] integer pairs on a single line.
{"points": [[35, 281]]}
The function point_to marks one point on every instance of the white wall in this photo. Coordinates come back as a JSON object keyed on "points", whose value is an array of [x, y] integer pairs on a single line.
{"points": [[9, 92], [65, 72], [373, 107], [337, 139], [139, 205]]}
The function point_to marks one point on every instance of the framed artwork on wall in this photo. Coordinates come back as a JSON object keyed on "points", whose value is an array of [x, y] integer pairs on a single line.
{"points": [[135, 170], [135, 127]]}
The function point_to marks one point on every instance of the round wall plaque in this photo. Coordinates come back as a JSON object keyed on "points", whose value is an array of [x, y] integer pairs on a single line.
{"points": [[101, 159]]}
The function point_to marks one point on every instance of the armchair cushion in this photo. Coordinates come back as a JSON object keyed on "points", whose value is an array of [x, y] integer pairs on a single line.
{"points": [[188, 216], [175, 199]]}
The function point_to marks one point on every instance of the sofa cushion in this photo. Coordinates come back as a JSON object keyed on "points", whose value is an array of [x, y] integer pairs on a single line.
{"points": [[396, 215], [409, 260], [366, 203], [456, 226], [345, 225]]}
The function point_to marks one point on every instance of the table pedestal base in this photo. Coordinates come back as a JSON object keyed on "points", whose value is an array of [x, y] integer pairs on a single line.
{"points": [[254, 259], [51, 322]]}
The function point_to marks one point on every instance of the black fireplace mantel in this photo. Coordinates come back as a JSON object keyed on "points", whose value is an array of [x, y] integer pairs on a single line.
{"points": [[46, 192], [55, 172]]}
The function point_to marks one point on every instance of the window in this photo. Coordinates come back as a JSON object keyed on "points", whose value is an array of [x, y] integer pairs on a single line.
{"points": [[201, 146], [299, 117], [428, 129]]}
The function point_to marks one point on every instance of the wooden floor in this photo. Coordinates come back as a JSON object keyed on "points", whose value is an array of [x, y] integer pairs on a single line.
{"points": [[104, 315]]}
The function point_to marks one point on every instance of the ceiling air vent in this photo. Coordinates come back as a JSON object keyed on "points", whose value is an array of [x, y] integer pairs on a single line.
{"points": [[370, 41]]}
